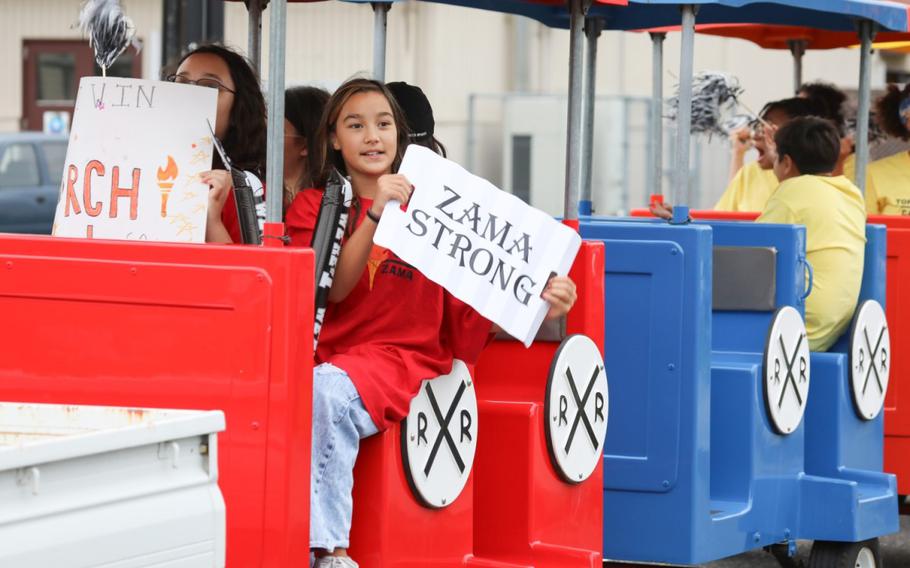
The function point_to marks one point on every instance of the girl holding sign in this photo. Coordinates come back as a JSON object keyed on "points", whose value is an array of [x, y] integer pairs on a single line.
{"points": [[240, 124], [387, 327]]}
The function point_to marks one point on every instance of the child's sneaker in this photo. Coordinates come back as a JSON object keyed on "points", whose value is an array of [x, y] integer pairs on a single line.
{"points": [[335, 562]]}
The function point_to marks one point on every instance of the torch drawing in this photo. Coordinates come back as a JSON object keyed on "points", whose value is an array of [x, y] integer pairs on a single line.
{"points": [[166, 179]]}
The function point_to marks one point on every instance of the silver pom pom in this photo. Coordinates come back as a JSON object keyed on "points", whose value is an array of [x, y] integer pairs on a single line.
{"points": [[715, 101]]}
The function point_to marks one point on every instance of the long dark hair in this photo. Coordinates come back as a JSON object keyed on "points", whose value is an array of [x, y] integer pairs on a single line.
{"points": [[303, 108], [887, 111], [330, 158], [829, 98], [794, 107], [245, 140]]}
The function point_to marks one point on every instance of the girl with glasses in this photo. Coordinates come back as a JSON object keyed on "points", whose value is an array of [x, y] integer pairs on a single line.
{"points": [[240, 124]]}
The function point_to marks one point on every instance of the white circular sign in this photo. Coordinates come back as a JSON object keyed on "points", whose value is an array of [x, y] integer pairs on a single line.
{"points": [[786, 370], [439, 437], [870, 359], [577, 404]]}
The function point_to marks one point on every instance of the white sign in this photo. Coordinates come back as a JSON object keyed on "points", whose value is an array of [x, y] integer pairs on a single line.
{"points": [[786, 370], [577, 406], [485, 246], [870, 359], [132, 167], [440, 437]]}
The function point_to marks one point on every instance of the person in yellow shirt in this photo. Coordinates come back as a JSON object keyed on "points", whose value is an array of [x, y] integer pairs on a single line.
{"points": [[831, 208], [888, 179], [752, 185]]}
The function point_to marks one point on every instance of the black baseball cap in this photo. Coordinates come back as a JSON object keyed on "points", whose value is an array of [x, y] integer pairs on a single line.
{"points": [[417, 110]]}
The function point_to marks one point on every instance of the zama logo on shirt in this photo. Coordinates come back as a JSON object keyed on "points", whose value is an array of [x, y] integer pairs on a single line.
{"points": [[383, 261]]}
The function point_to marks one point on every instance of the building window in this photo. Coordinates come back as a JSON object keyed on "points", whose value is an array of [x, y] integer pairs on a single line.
{"points": [[521, 167], [56, 77]]}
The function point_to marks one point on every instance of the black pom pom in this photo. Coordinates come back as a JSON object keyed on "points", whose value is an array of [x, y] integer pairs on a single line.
{"points": [[108, 29]]}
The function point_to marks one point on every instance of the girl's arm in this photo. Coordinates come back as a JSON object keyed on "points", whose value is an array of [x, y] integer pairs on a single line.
{"points": [[356, 250], [740, 141], [220, 183]]}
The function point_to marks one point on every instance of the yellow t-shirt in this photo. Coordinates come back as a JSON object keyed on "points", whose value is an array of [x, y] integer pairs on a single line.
{"points": [[850, 168], [832, 210], [749, 189], [888, 185]]}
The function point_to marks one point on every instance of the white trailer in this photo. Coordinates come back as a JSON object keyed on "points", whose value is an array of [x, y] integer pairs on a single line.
{"points": [[96, 486]]}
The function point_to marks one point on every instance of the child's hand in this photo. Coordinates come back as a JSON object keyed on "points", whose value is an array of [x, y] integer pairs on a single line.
{"points": [[767, 138], [220, 183], [741, 140], [391, 187], [560, 294], [662, 210]]}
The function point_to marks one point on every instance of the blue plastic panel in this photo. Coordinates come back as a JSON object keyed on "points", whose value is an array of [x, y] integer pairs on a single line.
{"points": [[643, 306], [846, 496], [874, 278], [657, 346], [745, 330]]}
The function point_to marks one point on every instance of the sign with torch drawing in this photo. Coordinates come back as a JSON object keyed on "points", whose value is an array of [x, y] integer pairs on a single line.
{"points": [[132, 167]]}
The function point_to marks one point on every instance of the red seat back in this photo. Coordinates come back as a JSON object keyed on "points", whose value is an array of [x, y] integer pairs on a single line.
{"points": [[178, 326]]}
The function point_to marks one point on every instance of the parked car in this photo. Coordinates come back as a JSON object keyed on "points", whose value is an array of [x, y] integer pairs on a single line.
{"points": [[31, 167]]}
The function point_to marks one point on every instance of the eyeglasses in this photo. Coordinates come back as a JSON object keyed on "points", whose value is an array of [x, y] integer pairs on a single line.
{"points": [[207, 82]]}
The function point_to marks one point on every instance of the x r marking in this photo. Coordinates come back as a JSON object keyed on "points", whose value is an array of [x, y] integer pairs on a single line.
{"points": [[580, 415], [789, 363], [872, 366], [444, 433]]}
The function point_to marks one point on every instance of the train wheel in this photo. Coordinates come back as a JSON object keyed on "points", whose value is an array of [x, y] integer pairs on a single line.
{"points": [[863, 554]]}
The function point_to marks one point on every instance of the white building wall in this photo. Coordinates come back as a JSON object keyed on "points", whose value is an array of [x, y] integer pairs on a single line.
{"points": [[449, 52], [58, 19]]}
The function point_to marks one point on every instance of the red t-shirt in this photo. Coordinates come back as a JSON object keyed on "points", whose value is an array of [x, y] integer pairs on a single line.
{"points": [[396, 327], [230, 219]]}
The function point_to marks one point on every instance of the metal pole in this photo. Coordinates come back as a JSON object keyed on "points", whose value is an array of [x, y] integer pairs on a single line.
{"points": [[254, 35], [626, 158], [657, 105], [798, 49], [574, 122], [469, 153], [684, 115], [593, 27], [380, 20], [866, 35], [274, 173]]}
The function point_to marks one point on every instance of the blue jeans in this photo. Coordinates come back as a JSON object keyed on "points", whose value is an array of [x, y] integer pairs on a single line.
{"points": [[340, 421]]}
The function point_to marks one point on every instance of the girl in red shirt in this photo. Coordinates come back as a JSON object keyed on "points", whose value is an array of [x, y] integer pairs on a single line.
{"points": [[239, 124], [387, 327]]}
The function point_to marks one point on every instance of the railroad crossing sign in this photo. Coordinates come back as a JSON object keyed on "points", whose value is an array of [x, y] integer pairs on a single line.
{"points": [[576, 408], [786, 370], [870, 359], [439, 437]]}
